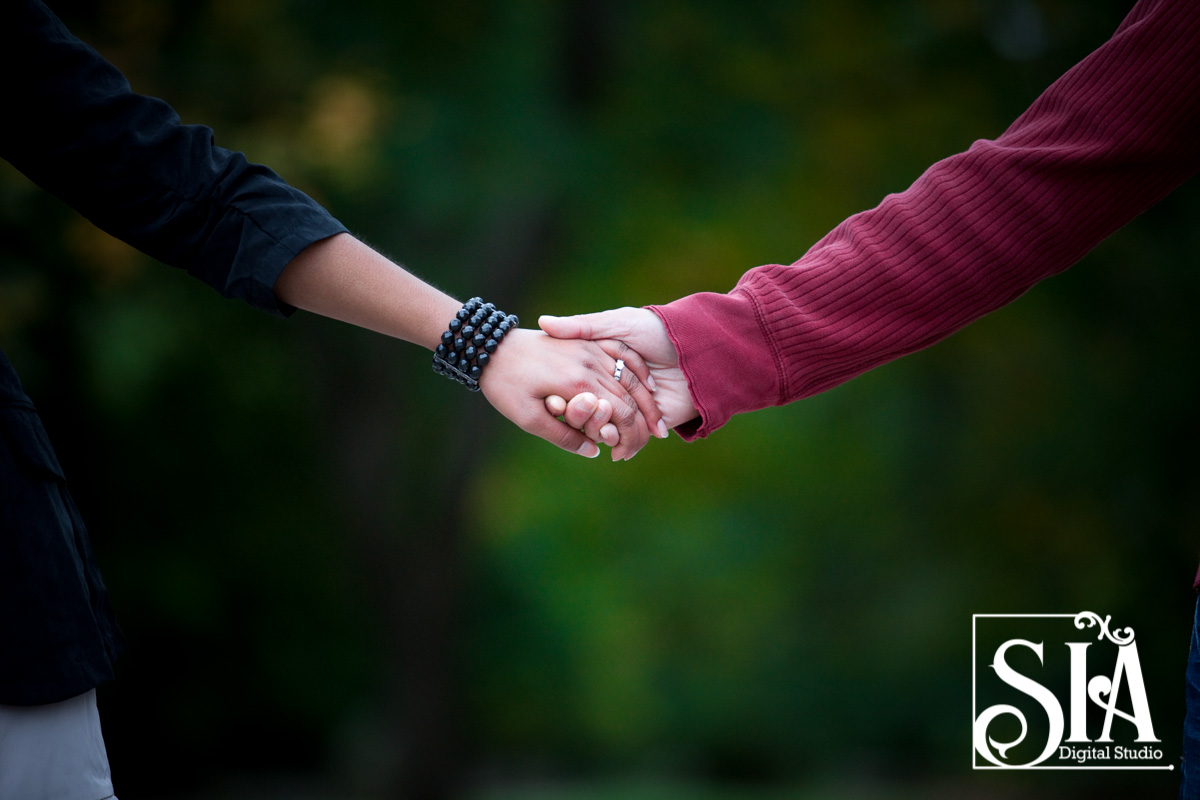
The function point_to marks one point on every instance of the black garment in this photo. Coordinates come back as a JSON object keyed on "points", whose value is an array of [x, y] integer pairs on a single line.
{"points": [[58, 636], [124, 161]]}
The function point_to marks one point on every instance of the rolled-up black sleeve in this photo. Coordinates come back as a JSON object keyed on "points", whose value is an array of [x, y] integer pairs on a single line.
{"points": [[127, 163]]}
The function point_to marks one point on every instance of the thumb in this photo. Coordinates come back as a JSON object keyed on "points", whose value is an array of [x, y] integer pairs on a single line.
{"points": [[562, 435], [601, 325]]}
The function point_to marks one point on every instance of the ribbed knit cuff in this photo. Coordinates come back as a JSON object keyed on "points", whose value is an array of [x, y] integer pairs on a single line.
{"points": [[725, 355]]}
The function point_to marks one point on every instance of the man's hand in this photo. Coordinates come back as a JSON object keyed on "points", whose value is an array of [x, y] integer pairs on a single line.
{"points": [[636, 332]]}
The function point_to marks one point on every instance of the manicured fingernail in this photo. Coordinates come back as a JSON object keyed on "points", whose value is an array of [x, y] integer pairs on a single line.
{"points": [[650, 382], [662, 429], [588, 450]]}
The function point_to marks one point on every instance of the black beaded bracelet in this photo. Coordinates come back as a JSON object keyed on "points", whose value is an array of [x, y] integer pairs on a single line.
{"points": [[474, 334]]}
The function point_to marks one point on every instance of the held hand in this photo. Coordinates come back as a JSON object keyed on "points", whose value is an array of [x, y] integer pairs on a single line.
{"points": [[530, 367], [589, 414], [640, 331]]}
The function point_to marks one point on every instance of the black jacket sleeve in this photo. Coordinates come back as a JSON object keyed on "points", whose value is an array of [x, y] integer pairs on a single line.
{"points": [[127, 163]]}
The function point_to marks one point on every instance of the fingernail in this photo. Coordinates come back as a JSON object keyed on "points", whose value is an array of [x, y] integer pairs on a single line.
{"points": [[650, 382], [662, 429], [588, 450]]}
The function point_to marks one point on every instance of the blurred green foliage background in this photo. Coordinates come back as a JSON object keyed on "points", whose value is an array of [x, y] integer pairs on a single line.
{"points": [[342, 577]]}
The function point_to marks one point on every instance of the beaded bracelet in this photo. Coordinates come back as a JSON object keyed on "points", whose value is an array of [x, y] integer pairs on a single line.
{"points": [[474, 334]]}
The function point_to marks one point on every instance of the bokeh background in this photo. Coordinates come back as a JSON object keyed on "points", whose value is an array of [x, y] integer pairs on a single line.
{"points": [[343, 577]]}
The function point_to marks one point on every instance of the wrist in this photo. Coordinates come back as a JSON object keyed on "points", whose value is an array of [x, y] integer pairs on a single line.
{"points": [[724, 357], [473, 335], [434, 324]]}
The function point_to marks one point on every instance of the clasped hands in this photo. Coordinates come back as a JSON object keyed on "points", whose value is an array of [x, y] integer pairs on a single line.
{"points": [[532, 375]]}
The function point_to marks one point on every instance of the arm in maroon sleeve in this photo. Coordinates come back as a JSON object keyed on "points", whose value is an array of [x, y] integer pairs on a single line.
{"points": [[1106, 141]]}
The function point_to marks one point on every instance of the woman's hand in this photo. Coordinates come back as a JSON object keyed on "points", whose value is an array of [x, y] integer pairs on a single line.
{"points": [[530, 367], [633, 333]]}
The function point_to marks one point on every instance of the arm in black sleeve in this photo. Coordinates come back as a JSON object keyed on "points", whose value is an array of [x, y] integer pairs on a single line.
{"points": [[127, 163]]}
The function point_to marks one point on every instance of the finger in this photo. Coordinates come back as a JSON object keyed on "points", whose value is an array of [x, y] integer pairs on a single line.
{"points": [[627, 416], [609, 435], [595, 425], [563, 435], [638, 371], [556, 405], [631, 425], [632, 359], [590, 415], [641, 396], [580, 409], [649, 409], [601, 325]]}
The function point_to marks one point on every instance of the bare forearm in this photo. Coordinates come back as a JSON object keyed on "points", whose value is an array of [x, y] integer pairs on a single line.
{"points": [[342, 278]]}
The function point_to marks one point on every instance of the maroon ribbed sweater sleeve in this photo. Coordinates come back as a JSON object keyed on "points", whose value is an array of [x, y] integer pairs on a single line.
{"points": [[1107, 140]]}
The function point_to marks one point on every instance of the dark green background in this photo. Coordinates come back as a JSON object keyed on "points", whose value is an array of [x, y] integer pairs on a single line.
{"points": [[341, 576]]}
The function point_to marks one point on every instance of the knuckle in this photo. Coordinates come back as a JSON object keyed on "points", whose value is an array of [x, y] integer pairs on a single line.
{"points": [[625, 413]]}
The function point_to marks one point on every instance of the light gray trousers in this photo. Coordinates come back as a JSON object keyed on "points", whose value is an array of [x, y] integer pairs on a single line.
{"points": [[54, 751]]}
